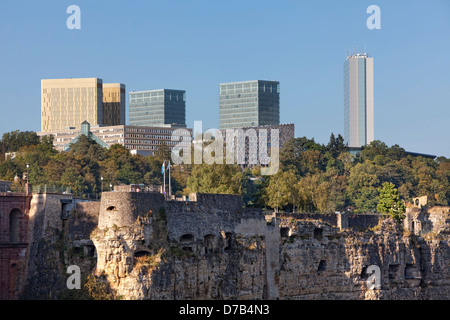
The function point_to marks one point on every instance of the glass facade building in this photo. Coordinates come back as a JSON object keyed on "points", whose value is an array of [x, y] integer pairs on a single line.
{"points": [[158, 108], [358, 100], [249, 104]]}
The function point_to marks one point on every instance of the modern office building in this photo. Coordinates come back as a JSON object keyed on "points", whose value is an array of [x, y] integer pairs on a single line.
{"points": [[155, 108], [138, 139], [358, 100], [113, 104], [68, 102], [249, 104]]}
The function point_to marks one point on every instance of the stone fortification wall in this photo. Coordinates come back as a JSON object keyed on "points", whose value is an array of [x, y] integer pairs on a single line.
{"points": [[122, 208], [58, 236], [331, 219], [361, 222], [343, 220], [214, 249], [83, 220], [210, 247], [203, 218]]}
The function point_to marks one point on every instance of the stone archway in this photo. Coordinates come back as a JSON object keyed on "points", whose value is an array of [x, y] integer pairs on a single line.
{"points": [[14, 226]]}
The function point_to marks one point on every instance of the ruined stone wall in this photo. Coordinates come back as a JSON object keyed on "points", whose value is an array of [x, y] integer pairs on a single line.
{"points": [[331, 219], [319, 262], [210, 247], [424, 220], [182, 250], [362, 222], [207, 250], [439, 219], [57, 240]]}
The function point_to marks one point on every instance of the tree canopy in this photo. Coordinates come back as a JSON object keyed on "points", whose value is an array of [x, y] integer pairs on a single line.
{"points": [[312, 177]]}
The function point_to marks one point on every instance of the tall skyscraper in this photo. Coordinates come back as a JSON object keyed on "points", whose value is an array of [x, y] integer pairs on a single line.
{"points": [[69, 102], [249, 104], [158, 108], [358, 100], [113, 104]]}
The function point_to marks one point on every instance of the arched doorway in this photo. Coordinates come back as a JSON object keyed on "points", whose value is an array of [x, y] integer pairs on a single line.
{"points": [[14, 226]]}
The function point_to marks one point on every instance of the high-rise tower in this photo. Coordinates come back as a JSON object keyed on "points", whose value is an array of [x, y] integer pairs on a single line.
{"points": [[358, 100]]}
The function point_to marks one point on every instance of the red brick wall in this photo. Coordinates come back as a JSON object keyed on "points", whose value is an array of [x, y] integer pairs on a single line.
{"points": [[12, 255]]}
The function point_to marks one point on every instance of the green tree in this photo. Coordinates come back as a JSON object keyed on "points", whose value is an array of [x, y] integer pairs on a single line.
{"points": [[390, 202], [13, 141], [363, 184], [336, 146], [281, 190], [330, 192], [302, 155], [215, 178]]}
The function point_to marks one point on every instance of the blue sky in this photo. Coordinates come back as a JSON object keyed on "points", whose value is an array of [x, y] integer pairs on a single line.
{"points": [[195, 45]]}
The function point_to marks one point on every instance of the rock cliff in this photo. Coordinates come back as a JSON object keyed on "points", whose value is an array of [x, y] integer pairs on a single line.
{"points": [[212, 248]]}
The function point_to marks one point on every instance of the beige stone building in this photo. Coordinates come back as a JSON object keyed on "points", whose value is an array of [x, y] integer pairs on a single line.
{"points": [[66, 103]]}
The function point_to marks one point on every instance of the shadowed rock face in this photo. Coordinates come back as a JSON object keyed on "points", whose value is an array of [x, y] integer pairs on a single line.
{"points": [[212, 248]]}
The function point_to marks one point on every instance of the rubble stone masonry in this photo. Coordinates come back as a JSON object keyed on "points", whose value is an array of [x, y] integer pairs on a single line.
{"points": [[211, 247]]}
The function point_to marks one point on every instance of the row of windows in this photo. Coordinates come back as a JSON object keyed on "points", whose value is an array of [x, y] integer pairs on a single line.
{"points": [[155, 122], [109, 136], [120, 141], [146, 136], [149, 130], [157, 109], [158, 95], [108, 130], [70, 90], [157, 142], [152, 116], [238, 111], [250, 87]]}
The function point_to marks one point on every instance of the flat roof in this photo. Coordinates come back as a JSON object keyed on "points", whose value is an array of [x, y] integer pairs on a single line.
{"points": [[157, 90], [249, 81], [417, 154]]}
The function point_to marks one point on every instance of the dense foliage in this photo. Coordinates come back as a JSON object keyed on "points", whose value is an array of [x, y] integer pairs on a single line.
{"points": [[312, 177]]}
